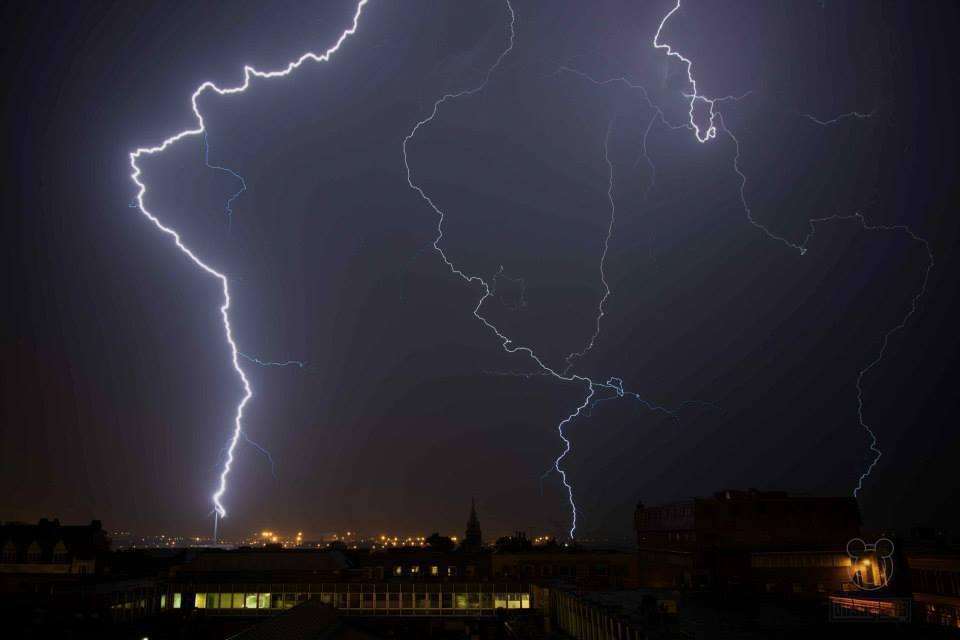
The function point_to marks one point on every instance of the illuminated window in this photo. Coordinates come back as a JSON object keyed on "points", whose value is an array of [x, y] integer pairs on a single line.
{"points": [[237, 601], [163, 601], [200, 601], [524, 600], [263, 600], [513, 601], [250, 601], [434, 570], [398, 569], [213, 601], [461, 601], [176, 600], [500, 601], [451, 571], [414, 569]]}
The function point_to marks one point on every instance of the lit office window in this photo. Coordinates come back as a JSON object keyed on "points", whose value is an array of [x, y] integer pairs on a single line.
{"points": [[200, 601], [524, 600], [237, 601], [263, 600], [250, 601], [461, 600], [414, 569], [398, 570], [163, 601], [176, 600], [452, 571], [213, 601], [434, 570]]}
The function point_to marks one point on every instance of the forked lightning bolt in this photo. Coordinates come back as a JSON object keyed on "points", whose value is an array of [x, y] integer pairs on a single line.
{"points": [[801, 247], [248, 74], [614, 385], [711, 130]]}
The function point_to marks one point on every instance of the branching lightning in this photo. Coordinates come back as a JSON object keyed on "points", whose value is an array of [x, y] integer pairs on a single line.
{"points": [[711, 130], [839, 118], [265, 363], [573, 357], [595, 390], [249, 73], [716, 123], [885, 340], [801, 247], [614, 385], [228, 207]]}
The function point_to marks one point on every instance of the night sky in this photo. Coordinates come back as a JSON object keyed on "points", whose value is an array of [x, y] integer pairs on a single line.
{"points": [[117, 390]]}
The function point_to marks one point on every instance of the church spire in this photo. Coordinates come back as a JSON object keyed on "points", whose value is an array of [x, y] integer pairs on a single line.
{"points": [[473, 539]]}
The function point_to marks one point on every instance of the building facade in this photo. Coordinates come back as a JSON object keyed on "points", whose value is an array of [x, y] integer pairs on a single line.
{"points": [[766, 541]]}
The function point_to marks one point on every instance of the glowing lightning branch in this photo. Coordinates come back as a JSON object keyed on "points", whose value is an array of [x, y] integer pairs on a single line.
{"points": [[839, 118], [885, 340], [264, 363], [711, 131], [243, 183], [614, 384], [603, 255], [248, 74], [488, 291]]}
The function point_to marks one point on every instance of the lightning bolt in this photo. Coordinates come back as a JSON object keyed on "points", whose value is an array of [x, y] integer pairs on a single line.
{"points": [[228, 207], [711, 130], [801, 247], [571, 358], [839, 118], [488, 288], [885, 340], [249, 73], [264, 363]]}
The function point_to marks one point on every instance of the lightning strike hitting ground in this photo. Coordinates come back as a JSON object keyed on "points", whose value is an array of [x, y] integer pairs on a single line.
{"points": [[248, 74]]}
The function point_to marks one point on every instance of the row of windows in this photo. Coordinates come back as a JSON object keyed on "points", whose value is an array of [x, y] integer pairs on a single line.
{"points": [[563, 570], [798, 560], [377, 600], [34, 553], [432, 570], [945, 583]]}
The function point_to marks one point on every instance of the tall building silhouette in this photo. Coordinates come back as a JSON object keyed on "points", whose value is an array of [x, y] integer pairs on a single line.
{"points": [[473, 538]]}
